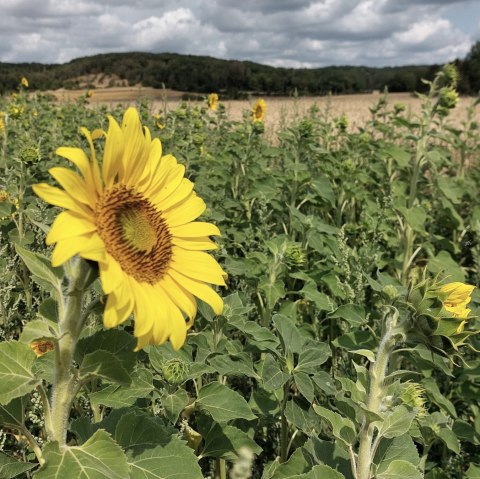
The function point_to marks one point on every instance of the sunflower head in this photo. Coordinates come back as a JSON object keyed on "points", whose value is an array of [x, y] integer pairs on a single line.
{"points": [[259, 109], [213, 101], [24, 82], [135, 216]]}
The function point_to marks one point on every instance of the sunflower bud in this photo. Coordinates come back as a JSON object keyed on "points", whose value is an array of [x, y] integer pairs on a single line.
{"points": [[175, 371]]}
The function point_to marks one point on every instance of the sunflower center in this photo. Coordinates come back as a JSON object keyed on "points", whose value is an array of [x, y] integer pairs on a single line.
{"points": [[134, 233], [137, 229], [258, 111]]}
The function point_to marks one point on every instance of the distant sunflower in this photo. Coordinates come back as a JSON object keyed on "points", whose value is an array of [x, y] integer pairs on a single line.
{"points": [[24, 82], [135, 217], [259, 109], [213, 101]]}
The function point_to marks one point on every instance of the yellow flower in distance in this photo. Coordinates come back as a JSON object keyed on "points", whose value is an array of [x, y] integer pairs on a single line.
{"points": [[259, 109], [457, 299], [213, 101], [135, 215], [24, 82]]}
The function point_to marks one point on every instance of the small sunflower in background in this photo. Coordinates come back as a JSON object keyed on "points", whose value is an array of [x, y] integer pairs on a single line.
{"points": [[24, 82], [457, 297], [213, 101], [135, 215], [259, 109]]}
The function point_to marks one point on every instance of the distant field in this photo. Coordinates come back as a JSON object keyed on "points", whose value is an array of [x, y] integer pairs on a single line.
{"points": [[280, 110]]}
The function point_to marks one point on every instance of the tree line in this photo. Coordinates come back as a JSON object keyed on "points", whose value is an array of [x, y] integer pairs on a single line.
{"points": [[232, 78]]}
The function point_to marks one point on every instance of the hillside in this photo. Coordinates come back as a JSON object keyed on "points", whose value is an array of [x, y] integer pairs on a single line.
{"points": [[202, 74]]}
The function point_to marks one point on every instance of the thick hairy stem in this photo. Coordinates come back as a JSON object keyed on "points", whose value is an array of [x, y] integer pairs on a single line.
{"points": [[375, 396], [71, 324]]}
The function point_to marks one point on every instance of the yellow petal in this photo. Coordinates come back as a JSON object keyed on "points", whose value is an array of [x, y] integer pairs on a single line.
{"points": [[188, 211], [144, 309], [65, 249], [112, 156], [200, 290], [93, 248], [93, 162], [68, 225], [197, 265], [115, 314], [173, 180], [179, 295], [111, 274], [74, 186], [194, 244], [195, 230], [180, 193], [78, 157], [57, 197]]}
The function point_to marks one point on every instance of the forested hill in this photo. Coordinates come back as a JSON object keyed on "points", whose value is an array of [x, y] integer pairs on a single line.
{"points": [[205, 74]]}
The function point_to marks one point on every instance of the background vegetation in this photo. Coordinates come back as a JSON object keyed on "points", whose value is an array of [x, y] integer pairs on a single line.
{"points": [[233, 78]]}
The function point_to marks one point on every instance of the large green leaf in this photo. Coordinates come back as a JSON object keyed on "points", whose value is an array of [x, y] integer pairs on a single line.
{"points": [[16, 377], [399, 469], [288, 330], [354, 314], [272, 375], [12, 414], [342, 428], [99, 458], [397, 422], [39, 329], [173, 460], [223, 404], [223, 440], [42, 271], [174, 403], [401, 447], [137, 430], [122, 396], [313, 356], [105, 365], [10, 467]]}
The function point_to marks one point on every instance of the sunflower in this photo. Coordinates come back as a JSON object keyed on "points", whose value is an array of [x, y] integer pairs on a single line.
{"points": [[24, 82], [135, 217], [259, 109], [458, 296], [213, 101]]}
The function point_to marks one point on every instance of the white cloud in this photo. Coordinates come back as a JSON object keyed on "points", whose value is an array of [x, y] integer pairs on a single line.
{"points": [[277, 32]]}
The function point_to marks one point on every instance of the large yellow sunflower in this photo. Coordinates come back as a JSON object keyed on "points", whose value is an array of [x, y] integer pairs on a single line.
{"points": [[259, 109], [135, 217]]}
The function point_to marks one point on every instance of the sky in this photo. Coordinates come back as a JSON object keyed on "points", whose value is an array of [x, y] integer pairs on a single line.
{"points": [[290, 33]]}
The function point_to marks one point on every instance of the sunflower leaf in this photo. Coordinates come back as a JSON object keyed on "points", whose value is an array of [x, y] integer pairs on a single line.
{"points": [[10, 467], [16, 376], [164, 462], [43, 273], [99, 458], [104, 364], [223, 404]]}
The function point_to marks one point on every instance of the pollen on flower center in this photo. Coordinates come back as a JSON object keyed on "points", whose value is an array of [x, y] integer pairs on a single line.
{"points": [[137, 229], [134, 233]]}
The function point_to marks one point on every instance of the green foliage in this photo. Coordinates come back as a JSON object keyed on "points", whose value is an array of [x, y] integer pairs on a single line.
{"points": [[327, 234]]}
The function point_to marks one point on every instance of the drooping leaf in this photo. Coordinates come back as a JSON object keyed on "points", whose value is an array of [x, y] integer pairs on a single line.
{"points": [[16, 377], [354, 314], [99, 458], [401, 447], [173, 404], [38, 329]]}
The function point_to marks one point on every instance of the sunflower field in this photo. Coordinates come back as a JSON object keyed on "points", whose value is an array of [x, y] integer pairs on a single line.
{"points": [[182, 296]]}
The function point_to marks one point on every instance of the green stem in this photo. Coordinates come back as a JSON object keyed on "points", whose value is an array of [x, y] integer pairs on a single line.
{"points": [[375, 395], [284, 425], [71, 324]]}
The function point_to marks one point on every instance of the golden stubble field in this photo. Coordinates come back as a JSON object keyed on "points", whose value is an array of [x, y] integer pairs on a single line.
{"points": [[280, 110]]}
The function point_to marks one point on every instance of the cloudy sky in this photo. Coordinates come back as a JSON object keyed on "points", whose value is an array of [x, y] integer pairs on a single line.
{"points": [[294, 33]]}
